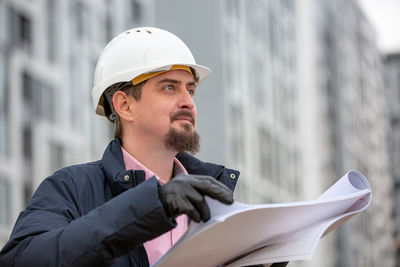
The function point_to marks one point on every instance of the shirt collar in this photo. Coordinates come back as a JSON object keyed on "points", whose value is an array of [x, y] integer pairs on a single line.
{"points": [[133, 164]]}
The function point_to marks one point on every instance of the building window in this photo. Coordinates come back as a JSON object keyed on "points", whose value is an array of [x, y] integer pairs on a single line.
{"points": [[57, 156], [3, 107], [4, 142], [137, 11], [232, 7], [27, 142], [39, 98], [25, 29], [265, 153], [108, 27], [4, 201], [78, 12], [75, 71], [28, 85], [20, 27], [237, 136], [4, 34], [47, 103], [52, 29], [398, 78], [269, 156], [256, 79], [28, 192]]}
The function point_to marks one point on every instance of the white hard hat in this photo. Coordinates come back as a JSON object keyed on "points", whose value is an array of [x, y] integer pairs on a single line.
{"points": [[140, 51]]}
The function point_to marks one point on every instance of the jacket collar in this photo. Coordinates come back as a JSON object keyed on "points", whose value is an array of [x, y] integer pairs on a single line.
{"points": [[117, 176], [120, 179], [196, 166]]}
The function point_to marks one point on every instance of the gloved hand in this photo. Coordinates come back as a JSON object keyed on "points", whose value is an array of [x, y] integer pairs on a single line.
{"points": [[185, 194]]}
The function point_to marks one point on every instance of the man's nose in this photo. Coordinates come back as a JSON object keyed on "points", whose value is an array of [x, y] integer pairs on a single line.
{"points": [[186, 100]]}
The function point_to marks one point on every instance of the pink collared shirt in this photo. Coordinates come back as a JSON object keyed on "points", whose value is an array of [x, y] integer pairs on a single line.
{"points": [[157, 247]]}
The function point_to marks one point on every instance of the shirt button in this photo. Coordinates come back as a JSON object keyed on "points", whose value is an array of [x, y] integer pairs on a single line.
{"points": [[126, 177], [233, 176]]}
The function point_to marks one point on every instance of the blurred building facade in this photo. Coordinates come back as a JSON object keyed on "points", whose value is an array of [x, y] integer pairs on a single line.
{"points": [[294, 101], [353, 123], [392, 85], [48, 52]]}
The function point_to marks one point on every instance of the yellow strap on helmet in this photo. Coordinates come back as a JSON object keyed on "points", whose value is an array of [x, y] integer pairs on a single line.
{"points": [[146, 76]]}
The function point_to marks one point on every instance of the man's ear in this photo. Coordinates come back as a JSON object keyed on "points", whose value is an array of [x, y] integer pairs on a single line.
{"points": [[123, 105]]}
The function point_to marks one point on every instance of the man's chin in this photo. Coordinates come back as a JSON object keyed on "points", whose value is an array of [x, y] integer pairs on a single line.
{"points": [[185, 128], [183, 139]]}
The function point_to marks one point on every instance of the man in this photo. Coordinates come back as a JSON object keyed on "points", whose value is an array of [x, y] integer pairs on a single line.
{"points": [[130, 207]]}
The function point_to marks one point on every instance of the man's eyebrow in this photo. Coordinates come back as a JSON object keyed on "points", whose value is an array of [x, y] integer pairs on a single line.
{"points": [[167, 80], [192, 83]]}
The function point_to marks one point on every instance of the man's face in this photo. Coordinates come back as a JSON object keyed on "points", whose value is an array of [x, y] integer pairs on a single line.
{"points": [[166, 111]]}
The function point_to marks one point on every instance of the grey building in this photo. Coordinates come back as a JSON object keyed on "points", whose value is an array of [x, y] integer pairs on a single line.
{"points": [[48, 52], [391, 72]]}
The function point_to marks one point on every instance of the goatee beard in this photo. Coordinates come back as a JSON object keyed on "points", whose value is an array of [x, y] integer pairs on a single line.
{"points": [[183, 140]]}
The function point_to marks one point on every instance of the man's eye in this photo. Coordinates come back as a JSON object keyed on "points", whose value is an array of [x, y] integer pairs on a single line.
{"points": [[169, 87], [191, 92]]}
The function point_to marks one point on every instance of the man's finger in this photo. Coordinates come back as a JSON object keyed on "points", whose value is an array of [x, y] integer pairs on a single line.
{"points": [[204, 211], [200, 204], [209, 186], [190, 210]]}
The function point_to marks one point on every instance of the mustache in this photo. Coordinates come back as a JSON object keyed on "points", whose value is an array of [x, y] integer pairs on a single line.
{"points": [[183, 113]]}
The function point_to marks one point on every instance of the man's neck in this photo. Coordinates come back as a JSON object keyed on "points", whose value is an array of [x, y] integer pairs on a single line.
{"points": [[154, 157]]}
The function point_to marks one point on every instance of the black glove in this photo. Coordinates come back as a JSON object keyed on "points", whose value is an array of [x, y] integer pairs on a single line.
{"points": [[185, 194]]}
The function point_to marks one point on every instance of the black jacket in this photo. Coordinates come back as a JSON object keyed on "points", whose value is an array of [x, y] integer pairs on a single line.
{"points": [[96, 214]]}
